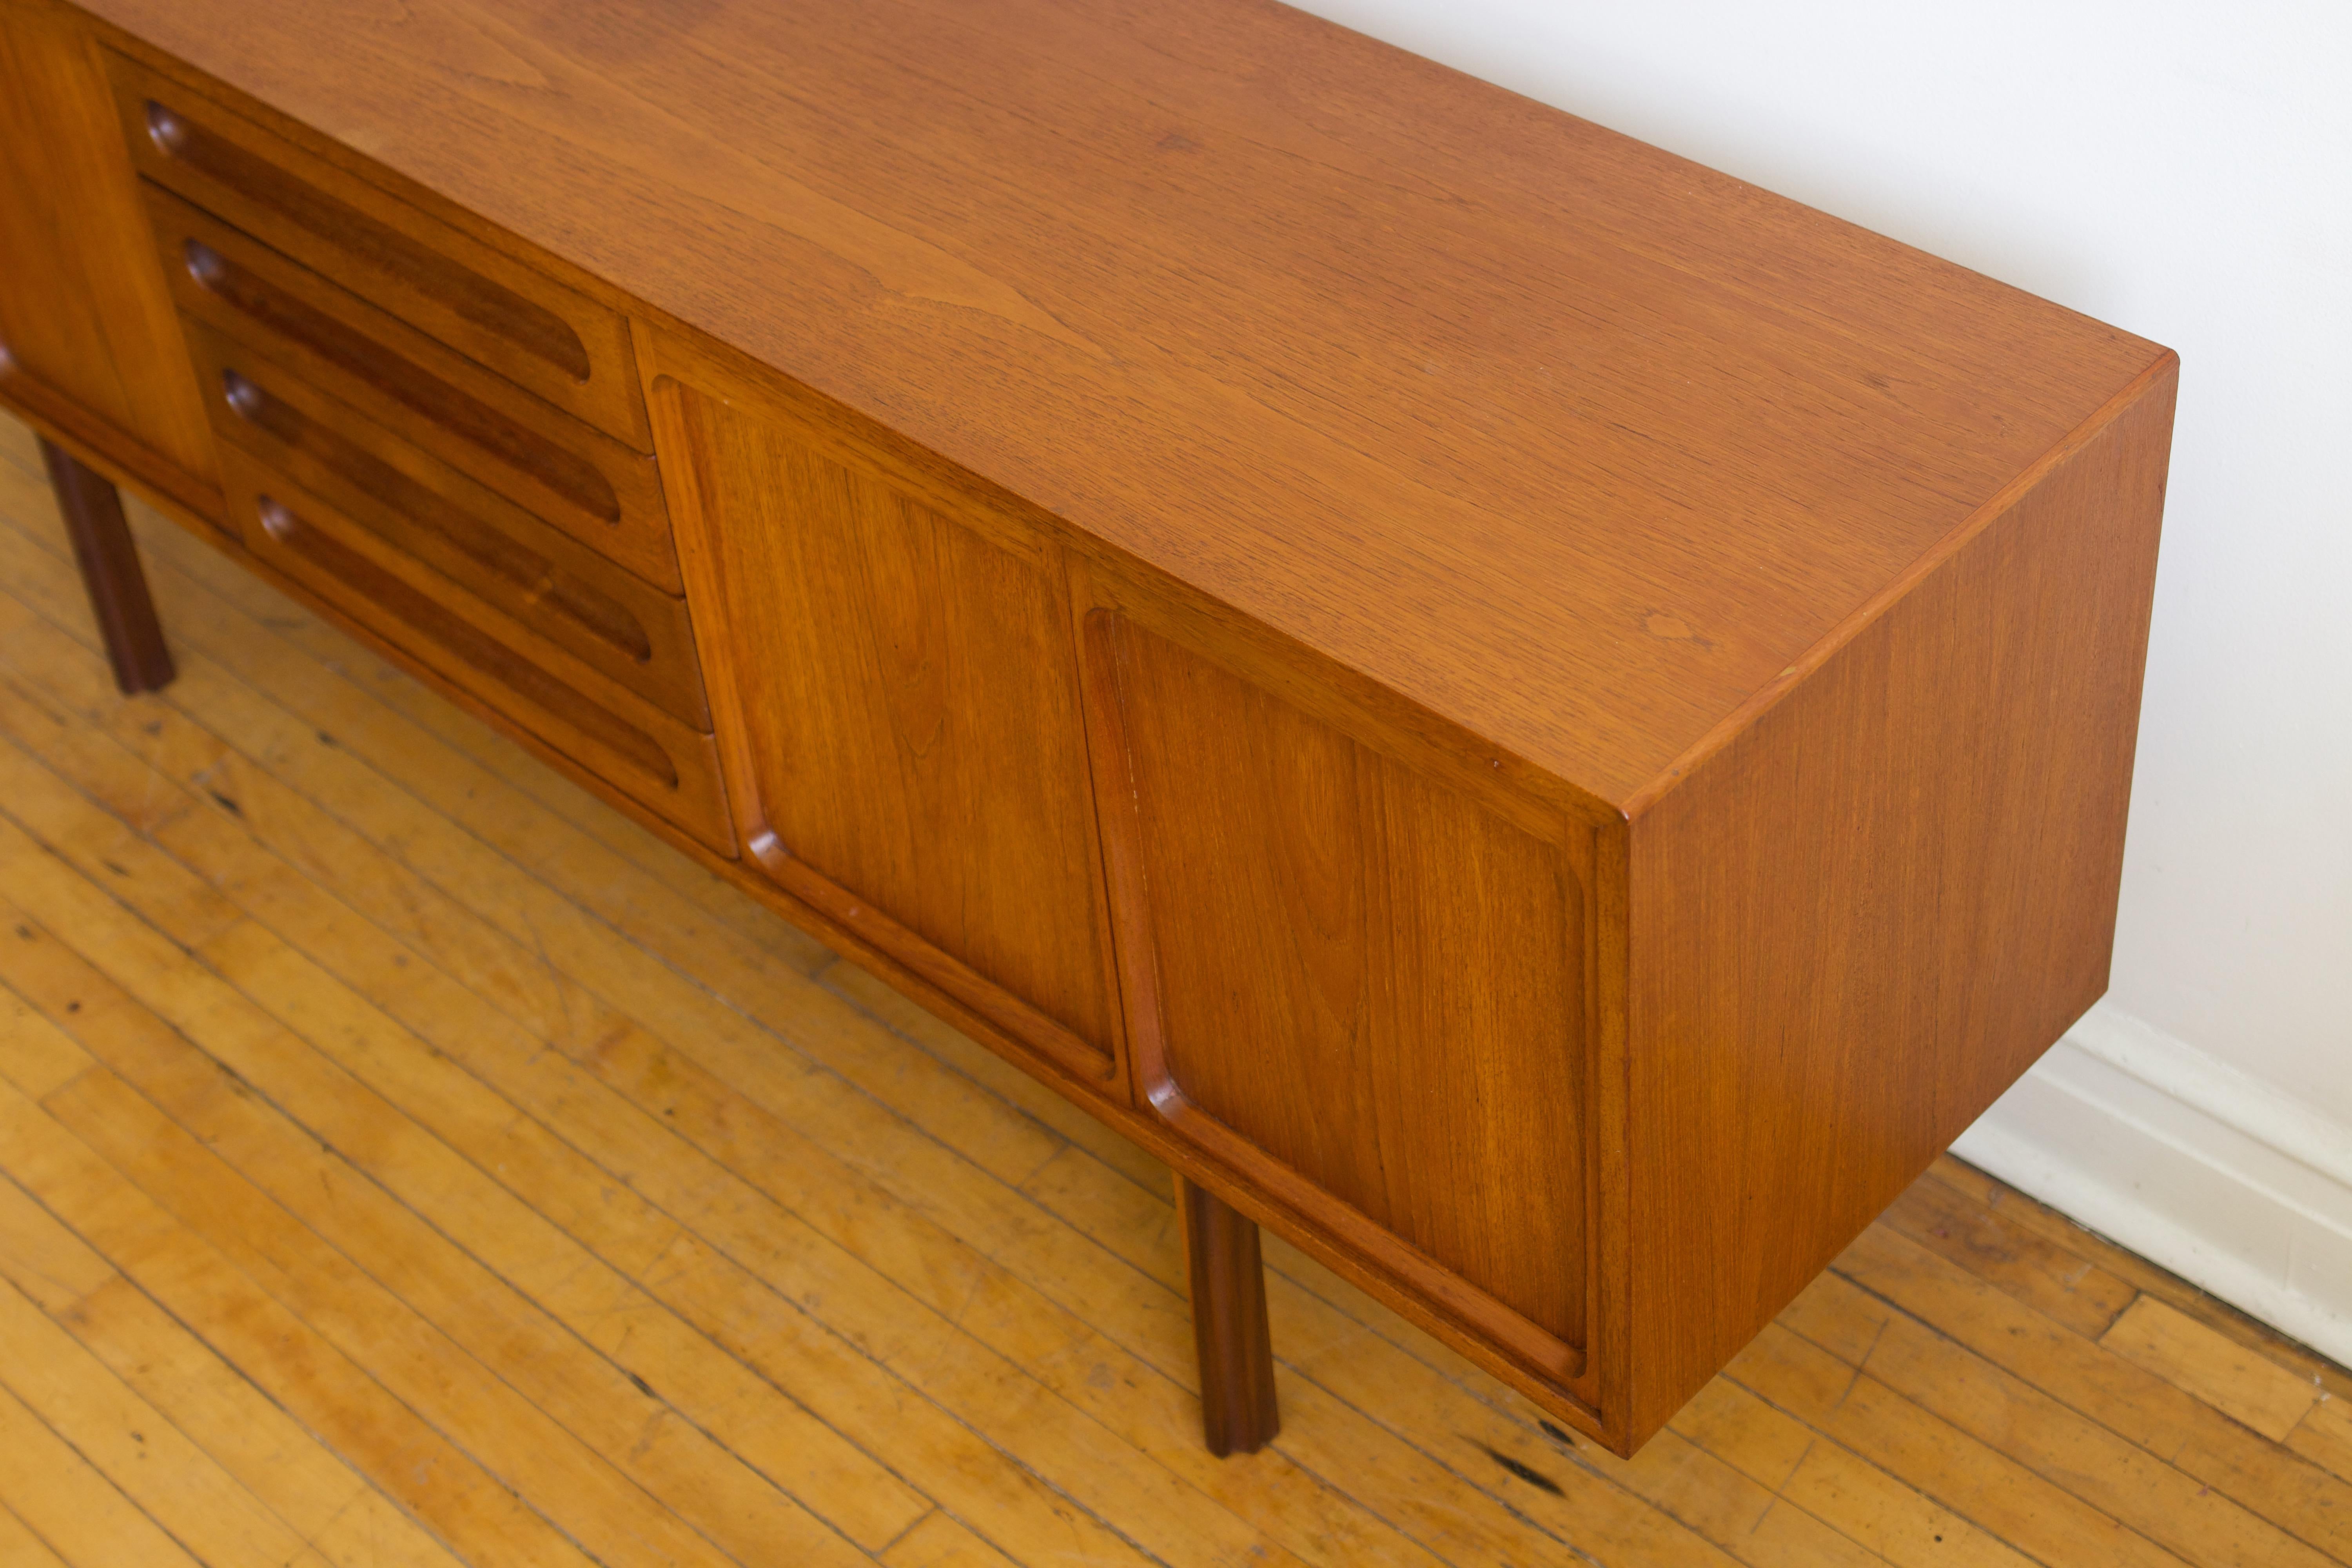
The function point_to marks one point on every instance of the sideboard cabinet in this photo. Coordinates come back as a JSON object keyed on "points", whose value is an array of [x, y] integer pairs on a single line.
{"points": [[1543, 722]]}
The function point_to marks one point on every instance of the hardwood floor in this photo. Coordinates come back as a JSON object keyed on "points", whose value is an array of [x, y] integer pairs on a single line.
{"points": [[409, 1162]]}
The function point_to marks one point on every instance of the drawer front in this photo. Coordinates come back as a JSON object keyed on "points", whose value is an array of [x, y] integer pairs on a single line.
{"points": [[670, 767], [538, 576], [600, 493], [489, 306]]}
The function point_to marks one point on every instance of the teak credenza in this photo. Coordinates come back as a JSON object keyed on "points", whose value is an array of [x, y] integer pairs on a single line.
{"points": [[1544, 721]]}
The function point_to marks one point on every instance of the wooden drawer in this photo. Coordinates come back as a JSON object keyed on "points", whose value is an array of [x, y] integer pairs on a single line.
{"points": [[494, 310], [600, 493], [540, 577], [669, 766]]}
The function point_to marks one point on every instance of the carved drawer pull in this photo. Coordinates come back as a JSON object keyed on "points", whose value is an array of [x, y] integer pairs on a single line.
{"points": [[279, 312], [414, 609], [530, 327], [540, 583]]}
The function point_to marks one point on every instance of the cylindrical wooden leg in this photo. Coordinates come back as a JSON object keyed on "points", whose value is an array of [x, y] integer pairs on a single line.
{"points": [[1229, 1328], [110, 570]]}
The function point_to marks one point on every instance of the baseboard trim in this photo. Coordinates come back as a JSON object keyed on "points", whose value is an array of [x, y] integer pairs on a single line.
{"points": [[2190, 1163]]}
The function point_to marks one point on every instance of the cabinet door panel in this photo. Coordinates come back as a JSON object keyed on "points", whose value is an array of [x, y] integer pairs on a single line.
{"points": [[900, 698], [1359, 983], [87, 340]]}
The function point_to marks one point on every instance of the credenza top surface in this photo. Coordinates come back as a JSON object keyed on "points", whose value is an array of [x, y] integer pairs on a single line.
{"points": [[1576, 443]]}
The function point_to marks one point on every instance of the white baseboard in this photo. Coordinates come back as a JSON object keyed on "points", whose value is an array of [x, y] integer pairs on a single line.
{"points": [[2190, 1163]]}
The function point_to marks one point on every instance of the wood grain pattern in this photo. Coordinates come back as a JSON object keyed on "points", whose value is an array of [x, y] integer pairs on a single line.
{"points": [[1609, 697], [2057, 1279], [901, 696], [584, 482], [2234, 1381], [623, 626], [1929, 837], [670, 767], [2323, 1436], [1225, 1277], [1348, 964], [1561, 436], [1836, 1440], [569, 350], [109, 572], [1996, 1204], [86, 327]]}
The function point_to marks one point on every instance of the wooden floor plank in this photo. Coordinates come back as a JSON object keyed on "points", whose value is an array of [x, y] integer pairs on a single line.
{"points": [[200, 1184], [579, 1404], [1895, 1521], [38, 1256], [20, 1548], [2019, 1210], [941, 1542], [2211, 1367], [63, 1499], [600, 1503], [2059, 1282], [236, 1426], [344, 1520], [41, 1057], [2323, 1436], [963, 1054], [150, 1460], [594, 1301], [2001, 1494], [2125, 1480], [870, 1505], [815, 1364], [481, 1519], [2123, 1396]]}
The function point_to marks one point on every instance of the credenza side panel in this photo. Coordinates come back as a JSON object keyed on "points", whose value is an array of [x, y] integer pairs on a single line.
{"points": [[898, 709], [91, 343], [1854, 926]]}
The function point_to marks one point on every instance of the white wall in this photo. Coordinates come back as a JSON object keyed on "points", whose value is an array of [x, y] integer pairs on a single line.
{"points": [[2183, 171]]}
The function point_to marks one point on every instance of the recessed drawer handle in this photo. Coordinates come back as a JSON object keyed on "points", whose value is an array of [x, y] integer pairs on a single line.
{"points": [[539, 582], [461, 637], [565, 473], [532, 328]]}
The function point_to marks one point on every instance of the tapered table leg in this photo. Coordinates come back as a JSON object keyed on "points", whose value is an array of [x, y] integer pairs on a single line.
{"points": [[1238, 1413], [109, 558]]}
